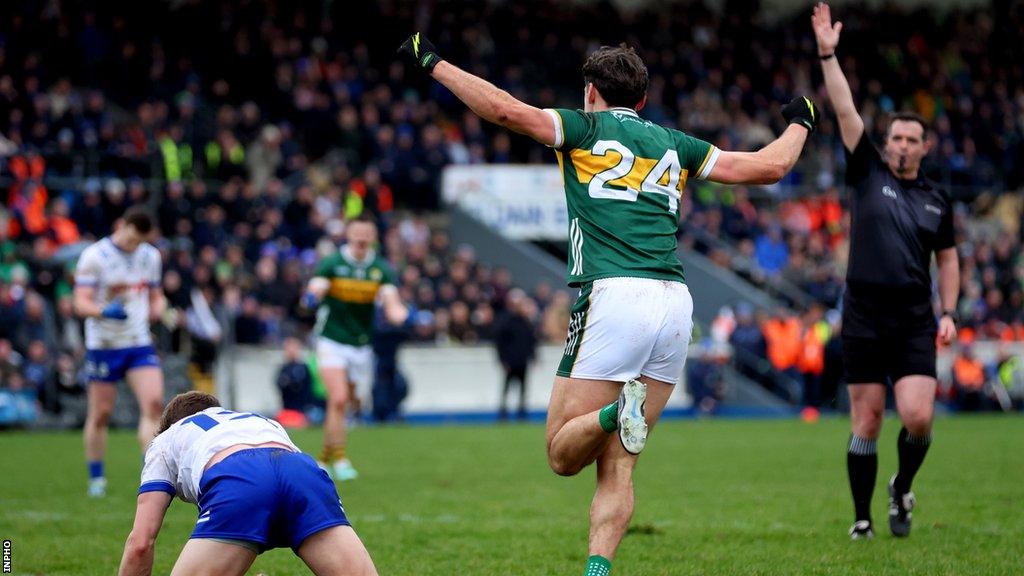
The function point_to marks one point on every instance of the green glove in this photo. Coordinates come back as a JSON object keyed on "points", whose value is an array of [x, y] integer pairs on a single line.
{"points": [[420, 52], [802, 111]]}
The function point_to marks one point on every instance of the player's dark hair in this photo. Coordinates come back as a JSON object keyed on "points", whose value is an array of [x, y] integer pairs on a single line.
{"points": [[137, 217], [907, 116], [185, 405], [619, 75]]}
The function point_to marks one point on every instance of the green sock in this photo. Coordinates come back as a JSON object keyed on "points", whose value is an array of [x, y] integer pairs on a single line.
{"points": [[609, 418], [598, 566]]}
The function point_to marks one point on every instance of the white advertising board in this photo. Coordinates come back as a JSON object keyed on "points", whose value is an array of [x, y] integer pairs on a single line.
{"points": [[518, 202]]}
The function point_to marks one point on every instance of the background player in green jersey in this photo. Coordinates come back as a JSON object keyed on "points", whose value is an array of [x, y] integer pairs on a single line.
{"points": [[630, 328], [347, 285]]}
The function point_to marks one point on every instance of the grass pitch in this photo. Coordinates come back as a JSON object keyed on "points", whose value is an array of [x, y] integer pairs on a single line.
{"points": [[713, 497]]}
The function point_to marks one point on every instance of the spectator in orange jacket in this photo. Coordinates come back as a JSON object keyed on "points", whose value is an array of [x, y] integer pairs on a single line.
{"points": [[62, 230], [811, 362], [27, 197], [376, 195], [782, 337]]}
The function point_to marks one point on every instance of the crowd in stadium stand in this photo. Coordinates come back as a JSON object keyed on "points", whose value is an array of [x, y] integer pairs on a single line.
{"points": [[266, 88], [804, 242], [799, 358], [258, 132]]}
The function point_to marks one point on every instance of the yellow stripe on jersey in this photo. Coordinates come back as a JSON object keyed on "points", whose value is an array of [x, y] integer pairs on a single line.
{"points": [[641, 168], [664, 178], [354, 291], [561, 165], [588, 164]]}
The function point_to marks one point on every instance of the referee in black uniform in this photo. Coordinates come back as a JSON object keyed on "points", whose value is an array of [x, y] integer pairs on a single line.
{"points": [[889, 329]]}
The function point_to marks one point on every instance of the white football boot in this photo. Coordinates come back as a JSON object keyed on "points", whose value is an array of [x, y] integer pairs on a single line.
{"points": [[343, 470], [97, 487], [632, 424]]}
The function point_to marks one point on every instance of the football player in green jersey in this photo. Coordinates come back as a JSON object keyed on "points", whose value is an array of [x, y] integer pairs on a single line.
{"points": [[630, 328], [346, 286]]}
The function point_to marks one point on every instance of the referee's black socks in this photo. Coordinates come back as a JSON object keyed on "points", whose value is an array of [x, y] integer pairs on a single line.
{"points": [[912, 450], [862, 467]]}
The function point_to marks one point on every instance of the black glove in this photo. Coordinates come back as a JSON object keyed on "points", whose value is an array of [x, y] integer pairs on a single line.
{"points": [[420, 52], [803, 112]]}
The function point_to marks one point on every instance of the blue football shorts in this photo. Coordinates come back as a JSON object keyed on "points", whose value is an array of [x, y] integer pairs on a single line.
{"points": [[110, 366], [272, 497]]}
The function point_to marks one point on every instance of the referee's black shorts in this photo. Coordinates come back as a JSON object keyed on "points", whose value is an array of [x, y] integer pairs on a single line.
{"points": [[887, 336]]}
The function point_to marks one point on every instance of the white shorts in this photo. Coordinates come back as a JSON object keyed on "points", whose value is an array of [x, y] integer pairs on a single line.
{"points": [[356, 360], [621, 328]]}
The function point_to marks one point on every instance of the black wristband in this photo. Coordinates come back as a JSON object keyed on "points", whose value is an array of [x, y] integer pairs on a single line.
{"points": [[952, 316], [826, 56]]}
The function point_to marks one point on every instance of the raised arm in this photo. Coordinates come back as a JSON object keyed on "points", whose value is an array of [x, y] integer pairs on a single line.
{"points": [[766, 166], [485, 99], [769, 164], [851, 126]]}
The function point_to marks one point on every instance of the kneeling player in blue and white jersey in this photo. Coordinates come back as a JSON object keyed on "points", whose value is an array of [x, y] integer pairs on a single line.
{"points": [[255, 491], [117, 291]]}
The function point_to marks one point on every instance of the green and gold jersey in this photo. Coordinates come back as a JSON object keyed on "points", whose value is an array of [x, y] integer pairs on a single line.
{"points": [[623, 179], [346, 314]]}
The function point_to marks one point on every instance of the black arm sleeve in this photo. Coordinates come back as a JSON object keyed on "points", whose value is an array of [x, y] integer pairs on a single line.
{"points": [[859, 161], [945, 237]]}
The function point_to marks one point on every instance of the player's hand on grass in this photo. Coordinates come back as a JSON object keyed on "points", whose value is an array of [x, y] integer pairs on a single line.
{"points": [[826, 33], [802, 111], [114, 311], [419, 52]]}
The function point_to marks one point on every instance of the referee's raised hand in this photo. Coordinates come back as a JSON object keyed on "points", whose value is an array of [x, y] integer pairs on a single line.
{"points": [[825, 32]]}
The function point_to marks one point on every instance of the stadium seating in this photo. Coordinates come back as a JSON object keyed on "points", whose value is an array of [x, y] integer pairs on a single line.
{"points": [[254, 145]]}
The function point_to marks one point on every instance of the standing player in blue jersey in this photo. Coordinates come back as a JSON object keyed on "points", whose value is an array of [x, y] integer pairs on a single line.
{"points": [[255, 491], [117, 291]]}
